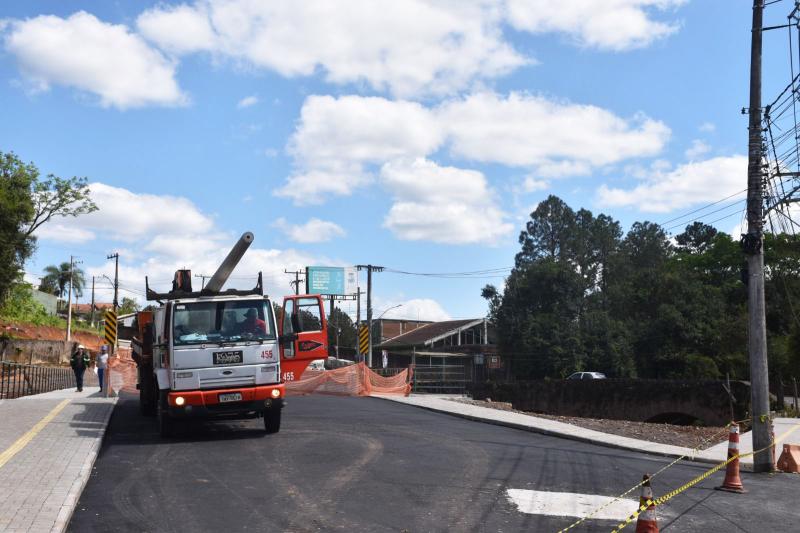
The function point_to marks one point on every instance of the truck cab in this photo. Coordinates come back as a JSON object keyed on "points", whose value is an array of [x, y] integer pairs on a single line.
{"points": [[224, 354]]}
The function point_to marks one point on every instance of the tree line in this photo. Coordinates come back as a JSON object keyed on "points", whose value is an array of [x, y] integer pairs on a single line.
{"points": [[584, 296]]}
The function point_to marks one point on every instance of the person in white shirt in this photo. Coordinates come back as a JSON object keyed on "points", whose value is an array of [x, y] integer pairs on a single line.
{"points": [[102, 364]]}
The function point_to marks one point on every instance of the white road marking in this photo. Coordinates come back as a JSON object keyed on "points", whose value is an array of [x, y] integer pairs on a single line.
{"points": [[571, 504]]}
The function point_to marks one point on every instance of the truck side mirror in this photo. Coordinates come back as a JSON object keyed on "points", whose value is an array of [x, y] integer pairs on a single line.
{"points": [[296, 327], [287, 338]]}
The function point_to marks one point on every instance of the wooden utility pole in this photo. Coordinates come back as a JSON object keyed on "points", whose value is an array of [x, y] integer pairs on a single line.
{"points": [[370, 269], [296, 281], [753, 246]]}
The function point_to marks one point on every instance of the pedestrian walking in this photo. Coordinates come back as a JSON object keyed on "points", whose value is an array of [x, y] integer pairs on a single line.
{"points": [[102, 365], [79, 362]]}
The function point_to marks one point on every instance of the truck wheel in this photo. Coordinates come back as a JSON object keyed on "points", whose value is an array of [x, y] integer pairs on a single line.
{"points": [[272, 419], [165, 423]]}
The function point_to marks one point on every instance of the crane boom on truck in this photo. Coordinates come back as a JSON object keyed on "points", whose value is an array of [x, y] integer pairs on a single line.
{"points": [[223, 354]]}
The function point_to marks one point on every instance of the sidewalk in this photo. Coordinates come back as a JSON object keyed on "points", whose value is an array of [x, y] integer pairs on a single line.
{"points": [[48, 444], [713, 455]]}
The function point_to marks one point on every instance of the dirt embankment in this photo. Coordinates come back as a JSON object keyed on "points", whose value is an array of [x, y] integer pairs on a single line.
{"points": [[49, 333]]}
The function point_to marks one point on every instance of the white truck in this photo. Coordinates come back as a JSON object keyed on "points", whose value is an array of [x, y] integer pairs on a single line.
{"points": [[224, 354]]}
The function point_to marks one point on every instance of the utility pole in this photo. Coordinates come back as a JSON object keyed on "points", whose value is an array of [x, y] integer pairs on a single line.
{"points": [[370, 269], [115, 257], [91, 319], [753, 246], [69, 298], [296, 281], [203, 282]]}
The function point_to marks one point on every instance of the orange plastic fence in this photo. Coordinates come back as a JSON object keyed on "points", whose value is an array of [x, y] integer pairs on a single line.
{"points": [[353, 380]]}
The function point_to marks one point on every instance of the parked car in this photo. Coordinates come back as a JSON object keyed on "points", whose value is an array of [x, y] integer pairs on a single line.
{"points": [[587, 375]]}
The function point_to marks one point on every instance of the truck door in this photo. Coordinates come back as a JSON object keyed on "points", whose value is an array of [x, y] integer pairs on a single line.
{"points": [[304, 334]]}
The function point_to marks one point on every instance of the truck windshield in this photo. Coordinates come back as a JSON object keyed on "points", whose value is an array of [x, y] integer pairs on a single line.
{"points": [[229, 321]]}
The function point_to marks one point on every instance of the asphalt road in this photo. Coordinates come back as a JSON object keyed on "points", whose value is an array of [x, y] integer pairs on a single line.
{"points": [[365, 464]]}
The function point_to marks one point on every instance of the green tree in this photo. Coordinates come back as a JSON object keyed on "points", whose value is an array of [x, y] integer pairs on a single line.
{"points": [[341, 322], [27, 201], [57, 279], [129, 305], [16, 212]]}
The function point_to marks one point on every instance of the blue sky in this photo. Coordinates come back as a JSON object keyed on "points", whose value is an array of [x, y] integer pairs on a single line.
{"points": [[414, 135]]}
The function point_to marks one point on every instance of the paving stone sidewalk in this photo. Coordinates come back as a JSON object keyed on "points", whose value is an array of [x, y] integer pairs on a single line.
{"points": [[41, 483]]}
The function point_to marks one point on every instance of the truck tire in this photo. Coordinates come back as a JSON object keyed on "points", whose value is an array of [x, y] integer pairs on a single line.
{"points": [[272, 419], [165, 422]]}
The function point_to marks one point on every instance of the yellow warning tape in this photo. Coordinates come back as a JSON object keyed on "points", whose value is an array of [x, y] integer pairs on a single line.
{"points": [[638, 485], [667, 497]]}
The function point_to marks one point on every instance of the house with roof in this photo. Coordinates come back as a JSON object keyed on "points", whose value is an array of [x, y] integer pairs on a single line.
{"points": [[464, 347]]}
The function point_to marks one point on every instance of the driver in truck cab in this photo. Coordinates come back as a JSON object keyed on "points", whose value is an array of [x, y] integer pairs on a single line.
{"points": [[252, 324]]}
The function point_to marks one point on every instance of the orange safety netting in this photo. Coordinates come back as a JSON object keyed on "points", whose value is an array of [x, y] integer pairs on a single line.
{"points": [[353, 380], [122, 371]]}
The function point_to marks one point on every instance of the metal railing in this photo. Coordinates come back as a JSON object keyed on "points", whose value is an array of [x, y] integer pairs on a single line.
{"points": [[448, 379], [22, 380]]}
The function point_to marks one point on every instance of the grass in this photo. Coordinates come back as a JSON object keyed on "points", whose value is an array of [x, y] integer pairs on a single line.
{"points": [[21, 308]]}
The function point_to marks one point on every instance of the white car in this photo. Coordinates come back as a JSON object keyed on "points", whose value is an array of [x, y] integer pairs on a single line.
{"points": [[587, 375]]}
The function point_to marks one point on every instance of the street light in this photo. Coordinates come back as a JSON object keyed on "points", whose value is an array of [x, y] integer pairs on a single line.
{"points": [[384, 312]]}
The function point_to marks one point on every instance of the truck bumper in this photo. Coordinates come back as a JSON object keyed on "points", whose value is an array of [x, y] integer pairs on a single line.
{"points": [[206, 403]]}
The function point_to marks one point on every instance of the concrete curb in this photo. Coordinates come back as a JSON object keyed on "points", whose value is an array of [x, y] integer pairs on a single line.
{"points": [[645, 446], [68, 509]]}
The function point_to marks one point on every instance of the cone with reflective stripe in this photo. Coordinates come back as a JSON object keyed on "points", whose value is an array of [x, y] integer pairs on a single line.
{"points": [[733, 483], [647, 521]]}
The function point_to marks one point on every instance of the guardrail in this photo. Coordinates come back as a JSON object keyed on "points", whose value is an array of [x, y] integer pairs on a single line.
{"points": [[22, 380]]}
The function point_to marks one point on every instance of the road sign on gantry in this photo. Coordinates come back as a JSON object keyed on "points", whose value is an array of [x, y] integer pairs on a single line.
{"points": [[110, 330], [363, 339]]}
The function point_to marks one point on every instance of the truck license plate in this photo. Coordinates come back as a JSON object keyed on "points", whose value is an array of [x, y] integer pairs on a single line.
{"points": [[230, 397], [229, 357]]}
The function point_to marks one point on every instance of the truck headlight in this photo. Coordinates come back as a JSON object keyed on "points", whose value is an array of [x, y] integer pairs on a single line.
{"points": [[179, 401], [276, 393]]}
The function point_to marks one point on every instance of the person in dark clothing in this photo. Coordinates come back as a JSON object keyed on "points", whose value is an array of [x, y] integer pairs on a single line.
{"points": [[79, 363]]}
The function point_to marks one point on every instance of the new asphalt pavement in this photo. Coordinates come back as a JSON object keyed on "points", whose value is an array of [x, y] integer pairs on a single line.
{"points": [[366, 464]]}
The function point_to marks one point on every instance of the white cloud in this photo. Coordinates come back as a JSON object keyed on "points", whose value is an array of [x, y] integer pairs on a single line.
{"points": [[707, 127], [408, 48], [686, 185], [615, 25], [697, 149], [315, 230], [247, 101], [441, 204], [338, 141], [92, 56], [337, 137], [531, 184], [56, 231], [412, 309], [529, 130]]}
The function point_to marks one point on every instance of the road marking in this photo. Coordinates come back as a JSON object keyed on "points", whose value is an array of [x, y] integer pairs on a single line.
{"points": [[571, 504], [23, 441]]}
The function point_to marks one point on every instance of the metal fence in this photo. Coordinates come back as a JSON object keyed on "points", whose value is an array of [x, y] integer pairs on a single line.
{"points": [[448, 379], [22, 380]]}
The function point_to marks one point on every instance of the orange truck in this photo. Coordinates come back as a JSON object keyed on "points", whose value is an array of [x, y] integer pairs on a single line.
{"points": [[224, 354]]}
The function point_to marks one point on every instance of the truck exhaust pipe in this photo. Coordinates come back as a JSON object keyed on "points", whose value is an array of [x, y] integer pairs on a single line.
{"points": [[225, 269]]}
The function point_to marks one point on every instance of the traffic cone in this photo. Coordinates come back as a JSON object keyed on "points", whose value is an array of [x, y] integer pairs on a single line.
{"points": [[647, 521], [733, 483]]}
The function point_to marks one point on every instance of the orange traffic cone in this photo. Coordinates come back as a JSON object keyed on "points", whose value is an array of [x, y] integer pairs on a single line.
{"points": [[647, 522], [733, 483]]}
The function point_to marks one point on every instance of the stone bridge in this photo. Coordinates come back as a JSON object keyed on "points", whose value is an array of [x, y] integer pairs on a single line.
{"points": [[677, 402]]}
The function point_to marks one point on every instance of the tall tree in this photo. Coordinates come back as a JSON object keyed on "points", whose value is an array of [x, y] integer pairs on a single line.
{"points": [[16, 212]]}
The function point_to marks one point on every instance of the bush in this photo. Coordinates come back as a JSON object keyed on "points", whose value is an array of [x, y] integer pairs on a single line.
{"points": [[21, 307]]}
